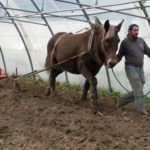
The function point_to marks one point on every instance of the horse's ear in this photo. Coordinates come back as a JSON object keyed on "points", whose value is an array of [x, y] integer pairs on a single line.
{"points": [[119, 25], [106, 25], [92, 25], [97, 21]]}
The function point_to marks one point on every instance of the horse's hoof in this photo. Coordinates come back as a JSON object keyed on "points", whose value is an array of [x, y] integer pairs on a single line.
{"points": [[79, 102], [94, 102], [94, 111], [48, 92], [94, 106], [53, 94], [83, 98]]}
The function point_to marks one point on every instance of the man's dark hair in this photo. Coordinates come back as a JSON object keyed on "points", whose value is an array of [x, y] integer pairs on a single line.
{"points": [[131, 27]]}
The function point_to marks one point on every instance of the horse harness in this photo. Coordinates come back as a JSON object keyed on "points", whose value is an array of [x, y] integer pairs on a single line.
{"points": [[90, 42]]}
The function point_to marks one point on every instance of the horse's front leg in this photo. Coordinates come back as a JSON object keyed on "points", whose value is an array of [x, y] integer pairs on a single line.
{"points": [[93, 82], [85, 90], [94, 94]]}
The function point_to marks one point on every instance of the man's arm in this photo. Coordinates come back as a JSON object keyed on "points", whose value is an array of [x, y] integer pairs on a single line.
{"points": [[146, 49]]}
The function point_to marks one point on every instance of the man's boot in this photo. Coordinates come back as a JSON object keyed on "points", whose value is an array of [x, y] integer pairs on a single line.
{"points": [[123, 100], [141, 108]]}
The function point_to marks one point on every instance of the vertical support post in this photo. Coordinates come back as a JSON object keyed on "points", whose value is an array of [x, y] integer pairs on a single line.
{"points": [[3, 59]]}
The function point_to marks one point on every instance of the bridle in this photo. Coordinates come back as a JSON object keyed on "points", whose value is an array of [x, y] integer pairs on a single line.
{"points": [[103, 50]]}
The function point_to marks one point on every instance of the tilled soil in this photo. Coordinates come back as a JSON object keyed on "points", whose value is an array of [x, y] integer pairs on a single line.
{"points": [[29, 120]]}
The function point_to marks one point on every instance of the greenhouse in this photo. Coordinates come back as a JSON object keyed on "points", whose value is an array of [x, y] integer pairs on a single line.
{"points": [[31, 120]]}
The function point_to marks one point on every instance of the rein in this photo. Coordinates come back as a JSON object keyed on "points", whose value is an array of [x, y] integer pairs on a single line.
{"points": [[55, 65]]}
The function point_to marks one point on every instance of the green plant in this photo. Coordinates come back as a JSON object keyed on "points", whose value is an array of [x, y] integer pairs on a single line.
{"points": [[77, 87], [37, 81], [74, 87], [104, 92], [64, 85]]}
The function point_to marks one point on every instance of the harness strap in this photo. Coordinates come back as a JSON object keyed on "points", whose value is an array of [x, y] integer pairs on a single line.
{"points": [[91, 38], [58, 40], [54, 48], [94, 54]]}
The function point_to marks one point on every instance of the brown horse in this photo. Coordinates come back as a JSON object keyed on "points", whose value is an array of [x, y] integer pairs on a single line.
{"points": [[92, 49]]}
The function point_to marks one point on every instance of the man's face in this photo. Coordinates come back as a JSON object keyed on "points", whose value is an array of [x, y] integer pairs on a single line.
{"points": [[134, 32]]}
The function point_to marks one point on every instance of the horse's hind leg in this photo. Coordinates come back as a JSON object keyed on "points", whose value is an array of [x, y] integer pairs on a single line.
{"points": [[52, 79], [93, 82], [85, 90]]}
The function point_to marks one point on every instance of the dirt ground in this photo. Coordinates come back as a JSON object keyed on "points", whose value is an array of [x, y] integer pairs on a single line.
{"points": [[29, 120]]}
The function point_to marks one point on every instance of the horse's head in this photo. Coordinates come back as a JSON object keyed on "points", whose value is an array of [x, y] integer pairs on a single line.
{"points": [[108, 40]]}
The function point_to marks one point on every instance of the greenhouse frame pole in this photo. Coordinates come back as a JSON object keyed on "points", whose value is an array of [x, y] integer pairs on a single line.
{"points": [[3, 59], [102, 8], [88, 19], [145, 12], [21, 36], [87, 7], [34, 14], [84, 12], [43, 17]]}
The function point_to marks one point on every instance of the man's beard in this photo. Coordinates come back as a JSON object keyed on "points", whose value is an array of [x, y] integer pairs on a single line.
{"points": [[135, 36]]}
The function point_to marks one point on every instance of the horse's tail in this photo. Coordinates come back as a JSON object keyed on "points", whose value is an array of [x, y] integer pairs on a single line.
{"points": [[50, 47]]}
